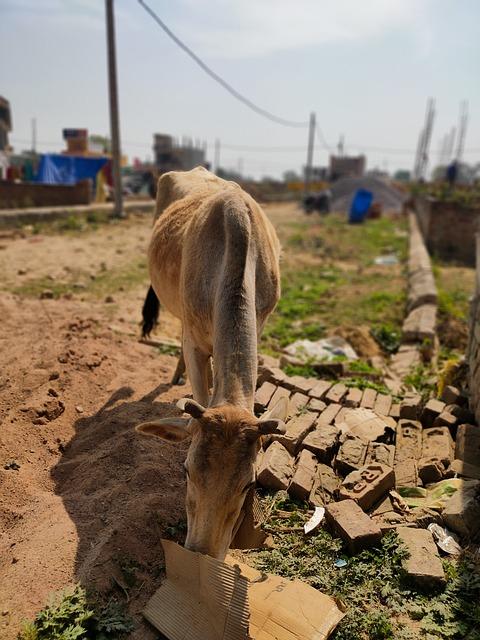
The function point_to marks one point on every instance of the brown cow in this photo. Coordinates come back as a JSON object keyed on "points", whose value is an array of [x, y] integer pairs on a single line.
{"points": [[213, 260]]}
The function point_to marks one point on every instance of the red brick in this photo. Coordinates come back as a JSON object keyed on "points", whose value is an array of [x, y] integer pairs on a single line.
{"points": [[409, 440], [380, 452], [452, 395], [354, 397], [423, 564], [279, 393], [430, 470], [325, 486], [299, 383], [263, 395], [297, 429], [367, 485], [304, 475], [347, 520], [410, 407], [395, 410], [467, 446], [465, 469], [406, 473], [320, 389], [298, 403], [437, 443], [336, 393], [368, 398], [351, 455], [432, 409], [328, 416], [382, 404], [322, 441], [316, 405], [276, 467]]}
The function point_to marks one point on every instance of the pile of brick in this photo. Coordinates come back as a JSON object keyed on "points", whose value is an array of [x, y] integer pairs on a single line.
{"points": [[350, 450]]}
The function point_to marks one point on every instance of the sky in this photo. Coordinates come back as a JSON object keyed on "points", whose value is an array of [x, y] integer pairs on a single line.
{"points": [[366, 68]]}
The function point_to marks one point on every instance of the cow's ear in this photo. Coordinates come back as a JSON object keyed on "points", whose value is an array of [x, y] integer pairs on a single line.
{"points": [[169, 429], [270, 427]]}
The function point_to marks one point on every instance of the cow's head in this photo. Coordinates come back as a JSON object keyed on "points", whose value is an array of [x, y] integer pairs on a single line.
{"points": [[220, 466]]}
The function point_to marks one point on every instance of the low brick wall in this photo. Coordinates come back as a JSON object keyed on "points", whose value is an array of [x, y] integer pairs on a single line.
{"points": [[448, 228], [473, 353], [31, 194]]}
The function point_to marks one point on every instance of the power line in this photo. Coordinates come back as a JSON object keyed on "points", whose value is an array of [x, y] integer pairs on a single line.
{"points": [[251, 105]]}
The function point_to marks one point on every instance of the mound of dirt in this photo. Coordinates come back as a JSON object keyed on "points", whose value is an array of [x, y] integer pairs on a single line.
{"points": [[384, 193], [360, 339]]}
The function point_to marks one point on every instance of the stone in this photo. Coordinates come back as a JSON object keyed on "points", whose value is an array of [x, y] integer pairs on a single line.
{"points": [[410, 407], [347, 520], [336, 393], [297, 429], [263, 395], [351, 454], [437, 443], [462, 511], [320, 389], [276, 468], [430, 470], [409, 440], [328, 416], [302, 482], [451, 395], [395, 410], [406, 473], [380, 452], [431, 410], [367, 485], [298, 404], [467, 444], [368, 398], [322, 441], [423, 566], [465, 469], [353, 398], [382, 404], [325, 486]]}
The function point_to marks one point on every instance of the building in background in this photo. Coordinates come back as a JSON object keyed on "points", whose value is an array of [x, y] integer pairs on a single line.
{"points": [[347, 167], [170, 156], [5, 128]]}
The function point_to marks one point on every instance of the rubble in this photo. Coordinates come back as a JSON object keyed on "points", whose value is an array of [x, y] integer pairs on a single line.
{"points": [[368, 485], [325, 486], [347, 520], [351, 455], [297, 429], [423, 565]]}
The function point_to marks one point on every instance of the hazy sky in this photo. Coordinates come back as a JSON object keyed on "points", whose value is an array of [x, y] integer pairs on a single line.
{"points": [[366, 67]]}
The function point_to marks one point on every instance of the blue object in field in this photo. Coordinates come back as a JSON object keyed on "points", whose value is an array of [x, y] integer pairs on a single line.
{"points": [[360, 205], [62, 169]]}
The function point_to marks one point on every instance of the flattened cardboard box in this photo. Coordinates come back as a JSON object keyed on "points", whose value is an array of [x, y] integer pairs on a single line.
{"points": [[205, 599]]}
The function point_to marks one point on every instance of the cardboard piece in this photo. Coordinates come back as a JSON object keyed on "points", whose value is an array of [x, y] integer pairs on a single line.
{"points": [[208, 599], [248, 532]]}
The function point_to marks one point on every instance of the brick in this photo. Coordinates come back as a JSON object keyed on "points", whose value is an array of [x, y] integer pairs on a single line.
{"points": [[339, 418], [465, 469], [276, 468], [347, 520], [382, 404], [452, 395], [406, 473], [328, 416], [431, 410], [380, 452], [367, 485], [298, 383], [351, 454], [430, 470], [467, 445], [423, 565], [298, 402], [353, 398], [366, 424], [279, 393], [320, 389], [446, 419], [302, 482], [462, 511], [368, 398], [297, 429], [273, 374], [322, 441], [410, 407], [409, 440], [336, 393], [437, 443], [420, 323], [464, 415], [316, 405], [395, 410], [263, 395], [325, 486]]}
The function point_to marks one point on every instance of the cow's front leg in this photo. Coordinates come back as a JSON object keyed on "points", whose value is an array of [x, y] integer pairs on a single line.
{"points": [[197, 365]]}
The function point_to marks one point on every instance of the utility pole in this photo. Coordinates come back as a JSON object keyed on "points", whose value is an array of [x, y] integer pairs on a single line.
{"points": [[462, 130], [34, 135], [216, 157], [308, 167], [341, 145], [424, 138], [114, 120]]}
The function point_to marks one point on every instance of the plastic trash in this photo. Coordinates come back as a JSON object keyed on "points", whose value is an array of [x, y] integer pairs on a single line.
{"points": [[326, 349], [446, 540], [360, 205], [315, 520], [386, 261], [340, 563], [435, 497]]}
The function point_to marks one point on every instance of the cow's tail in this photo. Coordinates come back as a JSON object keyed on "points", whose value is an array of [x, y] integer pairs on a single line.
{"points": [[150, 312]]}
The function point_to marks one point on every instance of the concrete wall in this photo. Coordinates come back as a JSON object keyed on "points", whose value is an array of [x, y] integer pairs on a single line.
{"points": [[473, 353], [448, 229], [29, 194]]}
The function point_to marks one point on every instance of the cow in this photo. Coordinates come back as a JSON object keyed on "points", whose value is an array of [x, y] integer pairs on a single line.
{"points": [[214, 263]]}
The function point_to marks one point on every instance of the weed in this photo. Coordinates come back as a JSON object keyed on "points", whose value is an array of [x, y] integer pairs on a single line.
{"points": [[388, 337], [365, 383], [421, 380]]}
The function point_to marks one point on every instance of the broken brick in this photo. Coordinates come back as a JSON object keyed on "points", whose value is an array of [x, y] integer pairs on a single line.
{"points": [[325, 486], [423, 565], [302, 481], [406, 473], [367, 485], [366, 424], [467, 444], [462, 511], [446, 419], [380, 452], [409, 440], [430, 470], [451, 395], [351, 454], [431, 410], [322, 441], [276, 468], [297, 429], [437, 443], [347, 520], [410, 407]]}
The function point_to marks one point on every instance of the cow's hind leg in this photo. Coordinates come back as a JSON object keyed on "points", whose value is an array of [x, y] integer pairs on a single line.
{"points": [[180, 370]]}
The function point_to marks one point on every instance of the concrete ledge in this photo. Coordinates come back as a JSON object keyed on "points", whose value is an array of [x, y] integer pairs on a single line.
{"points": [[421, 283], [31, 215]]}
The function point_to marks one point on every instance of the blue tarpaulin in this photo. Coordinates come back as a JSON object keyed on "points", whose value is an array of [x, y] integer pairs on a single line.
{"points": [[59, 169]]}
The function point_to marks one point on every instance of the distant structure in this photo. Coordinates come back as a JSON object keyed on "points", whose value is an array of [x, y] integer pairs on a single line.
{"points": [[347, 167], [170, 156], [5, 128]]}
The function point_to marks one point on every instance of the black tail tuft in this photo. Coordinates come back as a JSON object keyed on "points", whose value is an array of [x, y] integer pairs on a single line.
{"points": [[150, 311]]}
